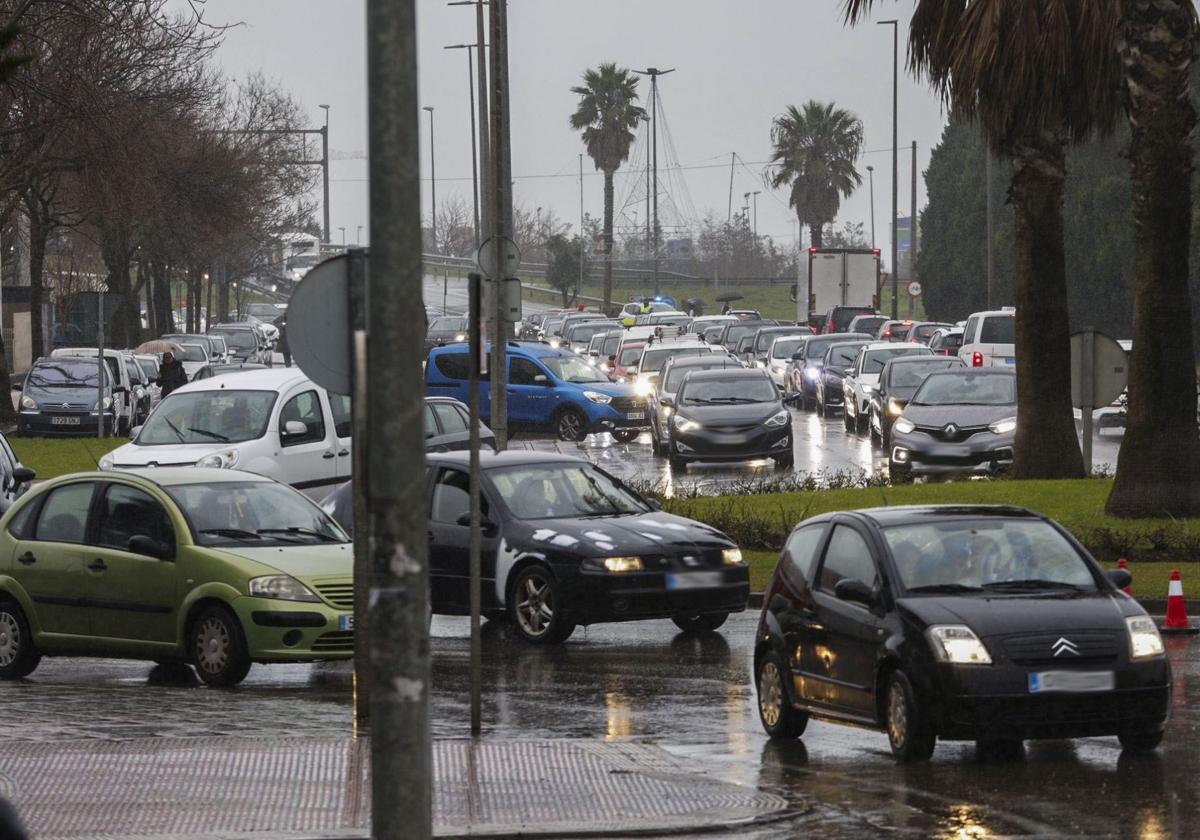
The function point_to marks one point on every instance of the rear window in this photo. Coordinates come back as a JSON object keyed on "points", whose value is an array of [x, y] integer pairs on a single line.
{"points": [[998, 329], [453, 365], [629, 355], [843, 317], [952, 342]]}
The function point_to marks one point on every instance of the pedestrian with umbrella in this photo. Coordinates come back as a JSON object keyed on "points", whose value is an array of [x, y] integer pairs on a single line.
{"points": [[171, 374]]}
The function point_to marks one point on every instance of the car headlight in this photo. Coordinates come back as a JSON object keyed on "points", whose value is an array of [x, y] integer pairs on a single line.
{"points": [[616, 565], [460, 337], [894, 408], [103, 405], [643, 387], [281, 588], [811, 373], [106, 462], [222, 460], [777, 420], [597, 397], [958, 645], [665, 411], [1144, 639], [904, 426], [28, 403], [1003, 427], [731, 556], [683, 424]]}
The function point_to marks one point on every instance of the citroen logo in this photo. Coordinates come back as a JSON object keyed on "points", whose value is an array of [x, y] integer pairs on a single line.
{"points": [[66, 405], [951, 429], [1064, 646]]}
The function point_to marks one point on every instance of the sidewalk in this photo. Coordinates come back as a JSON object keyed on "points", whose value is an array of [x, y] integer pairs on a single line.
{"points": [[230, 788]]}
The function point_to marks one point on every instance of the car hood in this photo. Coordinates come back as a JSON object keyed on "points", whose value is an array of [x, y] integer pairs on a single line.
{"points": [[612, 389], [1002, 615], [632, 534], [937, 416], [725, 414], [190, 368], [299, 561], [901, 394], [132, 455]]}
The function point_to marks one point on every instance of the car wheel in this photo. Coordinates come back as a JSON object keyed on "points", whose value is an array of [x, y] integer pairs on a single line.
{"points": [[626, 435], [906, 730], [534, 607], [1140, 742], [847, 420], [18, 654], [218, 647], [779, 718], [571, 425], [705, 623], [876, 438], [822, 409], [860, 424]]}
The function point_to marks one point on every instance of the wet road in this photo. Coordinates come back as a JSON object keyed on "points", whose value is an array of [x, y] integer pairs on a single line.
{"points": [[690, 696]]}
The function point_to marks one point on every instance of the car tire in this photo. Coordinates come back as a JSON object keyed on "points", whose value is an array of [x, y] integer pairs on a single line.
{"points": [[533, 607], [1140, 742], [779, 718], [570, 424], [907, 735], [18, 654], [626, 435], [847, 420], [704, 623], [217, 647], [876, 438], [861, 424], [822, 409]]}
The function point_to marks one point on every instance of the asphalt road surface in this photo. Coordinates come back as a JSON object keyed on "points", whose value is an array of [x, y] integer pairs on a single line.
{"points": [[691, 696]]}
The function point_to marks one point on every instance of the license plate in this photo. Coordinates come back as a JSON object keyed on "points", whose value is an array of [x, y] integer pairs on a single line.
{"points": [[64, 421], [636, 415], [1010, 360], [1071, 681], [345, 622], [694, 580]]}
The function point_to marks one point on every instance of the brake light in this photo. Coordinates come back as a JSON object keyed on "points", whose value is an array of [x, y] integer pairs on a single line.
{"points": [[887, 333], [976, 359]]}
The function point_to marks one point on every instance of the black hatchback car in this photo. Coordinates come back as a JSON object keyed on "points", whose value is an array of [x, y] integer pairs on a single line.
{"points": [[976, 623]]}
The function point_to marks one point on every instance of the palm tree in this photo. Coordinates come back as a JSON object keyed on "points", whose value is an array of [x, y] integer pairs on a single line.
{"points": [[607, 115], [815, 152], [1157, 470], [1036, 76]]}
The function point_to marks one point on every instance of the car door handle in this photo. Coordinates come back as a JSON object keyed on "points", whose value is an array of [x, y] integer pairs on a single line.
{"points": [[27, 559], [329, 455], [343, 453], [97, 565]]}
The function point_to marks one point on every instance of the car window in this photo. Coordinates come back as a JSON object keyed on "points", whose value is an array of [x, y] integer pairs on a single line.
{"points": [[452, 421], [452, 498], [128, 512], [847, 557], [431, 426], [305, 408], [339, 407], [453, 365], [135, 373], [630, 355], [21, 525], [874, 360], [521, 371], [149, 369], [562, 491], [216, 416], [64, 515], [969, 332], [999, 329], [800, 554]]}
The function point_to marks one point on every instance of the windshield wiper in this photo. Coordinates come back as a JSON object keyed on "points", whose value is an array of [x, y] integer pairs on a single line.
{"points": [[304, 532], [733, 400], [944, 587], [235, 533], [1033, 583], [175, 429], [207, 433]]}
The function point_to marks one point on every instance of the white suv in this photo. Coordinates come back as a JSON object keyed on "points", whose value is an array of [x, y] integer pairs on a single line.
{"points": [[859, 385], [274, 422], [989, 339]]}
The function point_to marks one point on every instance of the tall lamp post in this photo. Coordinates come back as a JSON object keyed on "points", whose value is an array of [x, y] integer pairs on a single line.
{"points": [[325, 174], [871, 178], [474, 144], [654, 73], [895, 24], [755, 196], [432, 183]]}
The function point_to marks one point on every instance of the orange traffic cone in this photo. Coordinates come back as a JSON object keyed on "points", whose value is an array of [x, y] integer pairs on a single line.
{"points": [[1177, 620], [1124, 564]]}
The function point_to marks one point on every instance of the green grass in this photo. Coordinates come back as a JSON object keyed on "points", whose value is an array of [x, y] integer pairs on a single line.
{"points": [[51, 457]]}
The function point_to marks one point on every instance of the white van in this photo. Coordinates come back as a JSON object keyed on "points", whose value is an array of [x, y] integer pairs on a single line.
{"points": [[275, 422], [989, 339]]}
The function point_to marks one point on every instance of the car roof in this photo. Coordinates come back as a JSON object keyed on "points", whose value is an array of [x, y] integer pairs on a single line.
{"points": [[975, 371], [509, 458], [264, 379], [726, 373], [892, 345], [172, 476], [911, 514], [920, 358], [702, 359]]}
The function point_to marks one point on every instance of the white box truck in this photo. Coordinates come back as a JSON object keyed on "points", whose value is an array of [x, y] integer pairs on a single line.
{"points": [[838, 277]]}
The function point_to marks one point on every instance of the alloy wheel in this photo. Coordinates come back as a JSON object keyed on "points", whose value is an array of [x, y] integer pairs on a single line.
{"points": [[212, 645], [570, 426], [10, 638], [897, 715], [770, 694], [535, 609]]}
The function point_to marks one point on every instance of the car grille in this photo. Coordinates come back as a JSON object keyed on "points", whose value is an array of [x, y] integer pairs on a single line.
{"points": [[1094, 648], [339, 641], [338, 594], [962, 433], [627, 404]]}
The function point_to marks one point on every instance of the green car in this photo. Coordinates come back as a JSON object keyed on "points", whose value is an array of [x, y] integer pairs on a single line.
{"points": [[216, 568]]}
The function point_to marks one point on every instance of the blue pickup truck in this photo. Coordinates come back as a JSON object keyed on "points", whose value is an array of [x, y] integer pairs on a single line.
{"points": [[549, 389]]}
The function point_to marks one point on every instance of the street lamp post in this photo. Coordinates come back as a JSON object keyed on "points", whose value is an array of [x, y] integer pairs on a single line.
{"points": [[654, 73], [474, 150], [895, 160], [755, 195], [325, 173], [343, 230], [871, 178], [432, 184], [358, 236]]}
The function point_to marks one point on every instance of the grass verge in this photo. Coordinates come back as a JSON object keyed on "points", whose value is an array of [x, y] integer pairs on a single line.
{"points": [[51, 457]]}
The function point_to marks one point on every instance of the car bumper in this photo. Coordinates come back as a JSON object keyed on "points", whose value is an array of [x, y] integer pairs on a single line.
{"points": [[593, 597], [918, 454], [49, 424], [605, 418], [712, 445], [833, 395], [293, 631]]}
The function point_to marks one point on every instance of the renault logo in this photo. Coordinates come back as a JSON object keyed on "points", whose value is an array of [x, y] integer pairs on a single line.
{"points": [[1064, 646], [951, 430]]}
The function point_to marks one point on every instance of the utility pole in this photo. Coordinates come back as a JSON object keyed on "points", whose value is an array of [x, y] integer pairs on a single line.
{"points": [[646, 120], [397, 620], [895, 157], [501, 199], [325, 174], [912, 233], [582, 238], [654, 73], [729, 213], [871, 177], [991, 264], [755, 194], [474, 142], [432, 183]]}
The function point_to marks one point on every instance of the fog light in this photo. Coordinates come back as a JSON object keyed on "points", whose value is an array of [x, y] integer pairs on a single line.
{"points": [[292, 638], [900, 455], [782, 442]]}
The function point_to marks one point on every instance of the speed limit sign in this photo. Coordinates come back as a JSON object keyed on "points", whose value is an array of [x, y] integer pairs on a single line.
{"points": [[914, 288]]}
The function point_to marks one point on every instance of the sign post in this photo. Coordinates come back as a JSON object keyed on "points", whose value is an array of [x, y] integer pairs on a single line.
{"points": [[1099, 370]]}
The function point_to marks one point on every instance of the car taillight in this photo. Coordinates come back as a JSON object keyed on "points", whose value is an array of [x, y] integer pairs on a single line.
{"points": [[887, 334], [976, 359]]}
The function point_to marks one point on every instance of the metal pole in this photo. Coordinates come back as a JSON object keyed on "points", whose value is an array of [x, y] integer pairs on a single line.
{"points": [[484, 129], [654, 144], [991, 264], [360, 466], [1087, 394], [325, 174], [100, 366], [401, 750], [729, 213], [582, 239], [912, 233], [474, 282], [895, 159], [756, 192], [501, 213], [432, 184], [474, 143], [871, 177], [646, 120]]}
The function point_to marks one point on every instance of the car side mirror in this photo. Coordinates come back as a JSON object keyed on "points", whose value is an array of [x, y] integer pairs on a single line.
{"points": [[541, 379], [486, 526], [23, 475], [669, 402], [120, 389], [855, 591], [1120, 578], [798, 357], [150, 547], [294, 428], [16, 386]]}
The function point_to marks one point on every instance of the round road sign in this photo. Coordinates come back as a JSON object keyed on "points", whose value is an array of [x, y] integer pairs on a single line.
{"points": [[914, 288], [318, 325], [1108, 364], [485, 258]]}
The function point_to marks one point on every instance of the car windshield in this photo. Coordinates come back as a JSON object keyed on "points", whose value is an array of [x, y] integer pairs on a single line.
{"points": [[876, 359], [448, 325], [783, 348], [585, 332], [192, 353], [610, 345], [999, 329], [764, 339], [216, 416], [64, 373], [653, 360], [677, 372], [240, 339], [964, 388], [924, 331], [573, 369], [740, 389], [149, 367], [739, 330], [816, 349], [843, 355], [870, 325], [562, 491], [254, 513], [629, 355], [986, 555], [912, 375]]}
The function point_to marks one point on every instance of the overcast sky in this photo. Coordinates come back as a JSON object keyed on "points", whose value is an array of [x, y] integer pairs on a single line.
{"points": [[738, 64]]}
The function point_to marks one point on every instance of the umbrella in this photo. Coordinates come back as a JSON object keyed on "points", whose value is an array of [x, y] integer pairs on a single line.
{"points": [[159, 345], [730, 296]]}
